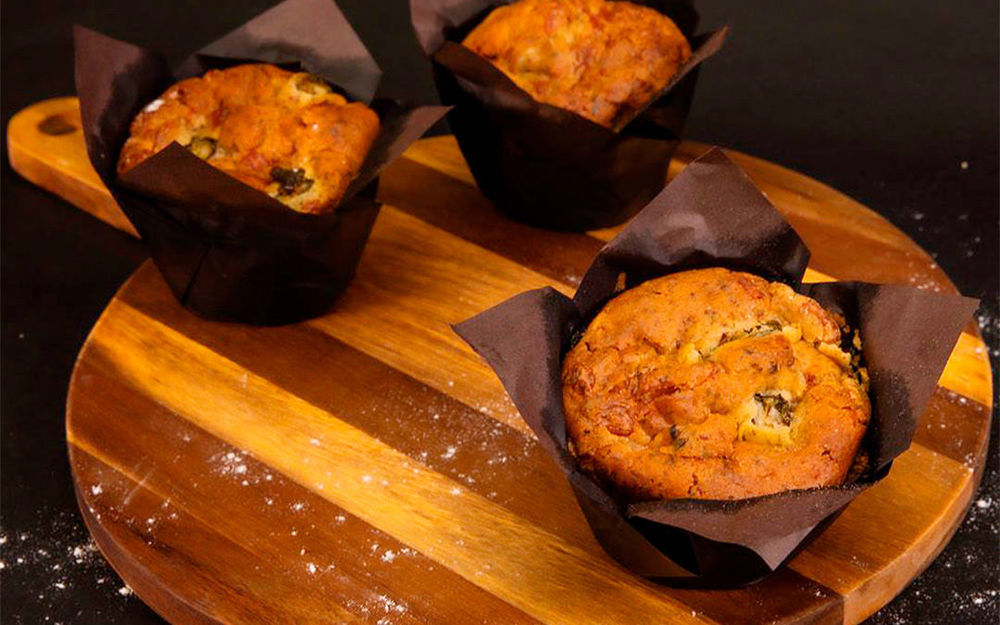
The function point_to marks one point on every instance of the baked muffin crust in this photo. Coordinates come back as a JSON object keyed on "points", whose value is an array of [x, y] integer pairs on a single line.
{"points": [[602, 60], [714, 384], [286, 134]]}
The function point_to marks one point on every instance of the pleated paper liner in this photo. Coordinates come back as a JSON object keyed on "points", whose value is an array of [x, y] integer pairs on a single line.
{"points": [[712, 215], [228, 251], [541, 164]]}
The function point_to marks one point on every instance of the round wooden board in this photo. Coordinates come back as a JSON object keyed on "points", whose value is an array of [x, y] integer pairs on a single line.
{"points": [[367, 467]]}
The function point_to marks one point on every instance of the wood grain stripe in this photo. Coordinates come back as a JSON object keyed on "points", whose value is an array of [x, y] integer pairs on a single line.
{"points": [[448, 437], [430, 427], [280, 526], [537, 571], [968, 370], [802, 198], [784, 597], [955, 426], [827, 220], [415, 280], [220, 584], [462, 210], [921, 487], [442, 154]]}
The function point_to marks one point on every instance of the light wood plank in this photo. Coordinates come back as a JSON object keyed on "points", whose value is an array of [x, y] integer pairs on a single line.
{"points": [[968, 370]]}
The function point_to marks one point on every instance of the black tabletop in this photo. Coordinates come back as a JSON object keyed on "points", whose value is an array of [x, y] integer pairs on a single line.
{"points": [[895, 104]]}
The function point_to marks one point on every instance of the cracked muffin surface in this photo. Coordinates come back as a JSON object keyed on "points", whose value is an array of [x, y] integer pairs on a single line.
{"points": [[715, 384], [602, 60], [287, 134]]}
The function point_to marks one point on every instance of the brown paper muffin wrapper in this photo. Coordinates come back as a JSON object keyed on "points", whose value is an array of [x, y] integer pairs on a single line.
{"points": [[228, 251], [541, 164], [712, 215]]}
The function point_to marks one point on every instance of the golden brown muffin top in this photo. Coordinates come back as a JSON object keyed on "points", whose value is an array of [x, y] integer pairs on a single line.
{"points": [[602, 60], [286, 134], [714, 384]]}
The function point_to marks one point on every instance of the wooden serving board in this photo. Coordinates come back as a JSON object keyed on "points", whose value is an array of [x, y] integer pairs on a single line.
{"points": [[367, 467]]}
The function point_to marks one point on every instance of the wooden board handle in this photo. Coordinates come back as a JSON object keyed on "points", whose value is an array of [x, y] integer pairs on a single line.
{"points": [[45, 145]]}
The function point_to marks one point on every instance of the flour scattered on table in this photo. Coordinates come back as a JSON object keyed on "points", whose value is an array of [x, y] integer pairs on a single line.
{"points": [[84, 553], [989, 325], [390, 605], [229, 463]]}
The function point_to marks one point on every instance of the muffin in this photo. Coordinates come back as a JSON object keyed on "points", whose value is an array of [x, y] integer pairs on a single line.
{"points": [[602, 60], [286, 134], [715, 384]]}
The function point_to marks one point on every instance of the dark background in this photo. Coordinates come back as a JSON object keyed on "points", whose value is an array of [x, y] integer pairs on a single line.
{"points": [[884, 101]]}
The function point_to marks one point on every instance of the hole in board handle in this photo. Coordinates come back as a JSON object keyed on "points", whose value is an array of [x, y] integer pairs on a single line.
{"points": [[56, 125]]}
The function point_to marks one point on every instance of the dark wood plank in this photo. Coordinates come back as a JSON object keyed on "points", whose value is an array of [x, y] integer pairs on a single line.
{"points": [[955, 426]]}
